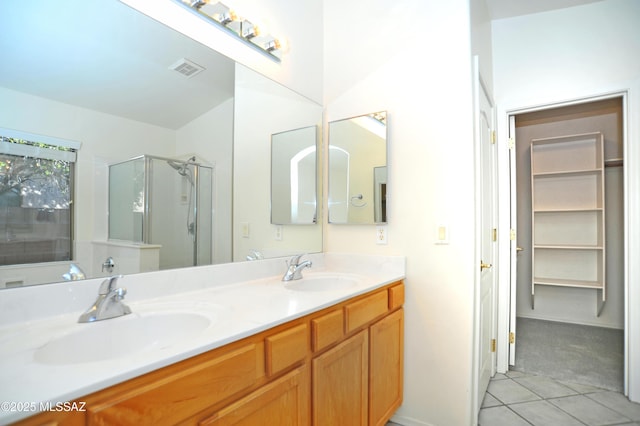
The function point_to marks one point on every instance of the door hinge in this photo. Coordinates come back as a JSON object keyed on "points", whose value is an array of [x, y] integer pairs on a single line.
{"points": [[493, 345], [512, 142], [512, 235], [494, 234], [512, 338], [493, 137]]}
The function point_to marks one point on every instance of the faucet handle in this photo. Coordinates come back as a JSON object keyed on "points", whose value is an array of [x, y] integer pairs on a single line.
{"points": [[119, 293], [295, 259], [108, 285]]}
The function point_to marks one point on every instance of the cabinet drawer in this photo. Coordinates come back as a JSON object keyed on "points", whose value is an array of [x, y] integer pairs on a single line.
{"points": [[366, 310], [284, 401], [327, 329], [183, 392], [286, 348], [396, 296]]}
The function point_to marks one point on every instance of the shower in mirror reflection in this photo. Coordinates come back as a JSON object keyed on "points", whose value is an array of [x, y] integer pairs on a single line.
{"points": [[142, 192], [183, 170]]}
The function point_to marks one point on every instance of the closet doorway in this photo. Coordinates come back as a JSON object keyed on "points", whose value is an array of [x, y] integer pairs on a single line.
{"points": [[565, 331]]}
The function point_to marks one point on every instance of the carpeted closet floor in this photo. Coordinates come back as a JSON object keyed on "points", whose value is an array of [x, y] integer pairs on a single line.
{"points": [[570, 352]]}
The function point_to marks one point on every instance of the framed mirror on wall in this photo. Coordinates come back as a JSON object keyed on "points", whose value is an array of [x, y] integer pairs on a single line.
{"points": [[357, 164], [294, 171], [95, 73]]}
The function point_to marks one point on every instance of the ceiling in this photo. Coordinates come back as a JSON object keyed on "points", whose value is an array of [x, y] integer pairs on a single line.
{"points": [[500, 9], [102, 55]]}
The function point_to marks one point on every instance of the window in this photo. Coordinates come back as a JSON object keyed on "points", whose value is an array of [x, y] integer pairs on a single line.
{"points": [[36, 198]]}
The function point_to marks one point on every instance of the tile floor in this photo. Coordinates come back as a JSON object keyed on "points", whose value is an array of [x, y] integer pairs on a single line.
{"points": [[519, 399]]}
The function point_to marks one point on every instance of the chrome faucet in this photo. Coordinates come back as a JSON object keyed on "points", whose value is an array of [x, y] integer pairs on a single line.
{"points": [[294, 268], [108, 304]]}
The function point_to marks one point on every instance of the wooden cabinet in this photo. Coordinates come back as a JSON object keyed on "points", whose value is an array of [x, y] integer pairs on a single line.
{"points": [[341, 383], [338, 366], [360, 381], [283, 402], [386, 351], [568, 213], [169, 395], [286, 348]]}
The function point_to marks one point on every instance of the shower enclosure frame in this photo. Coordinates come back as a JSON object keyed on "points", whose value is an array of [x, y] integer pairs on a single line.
{"points": [[146, 232]]}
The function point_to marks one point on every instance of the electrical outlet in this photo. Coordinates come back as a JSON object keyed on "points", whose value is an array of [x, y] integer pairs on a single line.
{"points": [[278, 233], [381, 234]]}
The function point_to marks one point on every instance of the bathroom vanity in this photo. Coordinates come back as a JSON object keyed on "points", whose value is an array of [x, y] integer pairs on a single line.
{"points": [[328, 349]]}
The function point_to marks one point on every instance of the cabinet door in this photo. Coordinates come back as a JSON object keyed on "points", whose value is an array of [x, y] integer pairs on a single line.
{"points": [[386, 367], [340, 383], [283, 402]]}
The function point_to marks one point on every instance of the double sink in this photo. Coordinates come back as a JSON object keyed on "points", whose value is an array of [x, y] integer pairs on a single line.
{"points": [[164, 326]]}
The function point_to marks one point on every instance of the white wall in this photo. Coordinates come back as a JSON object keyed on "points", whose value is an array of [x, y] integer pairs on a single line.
{"points": [[575, 53], [413, 59]]}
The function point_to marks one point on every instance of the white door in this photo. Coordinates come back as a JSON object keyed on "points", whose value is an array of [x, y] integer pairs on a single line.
{"points": [[486, 222], [513, 250]]}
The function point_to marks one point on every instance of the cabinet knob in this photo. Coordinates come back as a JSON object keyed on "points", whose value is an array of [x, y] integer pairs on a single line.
{"points": [[485, 265]]}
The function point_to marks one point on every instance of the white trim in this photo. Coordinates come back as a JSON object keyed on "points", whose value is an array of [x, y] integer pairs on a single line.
{"points": [[32, 137], [22, 150]]}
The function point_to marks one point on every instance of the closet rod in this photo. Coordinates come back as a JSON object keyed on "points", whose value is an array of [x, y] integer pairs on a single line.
{"points": [[613, 162]]}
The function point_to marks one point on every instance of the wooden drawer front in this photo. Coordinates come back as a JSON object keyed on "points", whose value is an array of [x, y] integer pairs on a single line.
{"points": [[55, 418], [182, 393], [285, 401], [396, 296], [327, 329], [366, 310], [286, 348]]}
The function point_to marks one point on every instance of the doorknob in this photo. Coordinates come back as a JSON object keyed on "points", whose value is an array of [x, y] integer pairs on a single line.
{"points": [[519, 249], [485, 265]]}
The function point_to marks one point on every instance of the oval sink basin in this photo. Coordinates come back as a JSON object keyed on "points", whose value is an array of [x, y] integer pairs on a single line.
{"points": [[126, 335], [323, 283]]}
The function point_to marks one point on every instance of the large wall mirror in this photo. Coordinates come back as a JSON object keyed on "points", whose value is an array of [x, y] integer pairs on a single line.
{"points": [[358, 169], [124, 86]]}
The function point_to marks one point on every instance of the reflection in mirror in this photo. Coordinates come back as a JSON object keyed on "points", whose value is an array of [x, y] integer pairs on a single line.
{"points": [[262, 110], [96, 74], [166, 205], [293, 177], [358, 169]]}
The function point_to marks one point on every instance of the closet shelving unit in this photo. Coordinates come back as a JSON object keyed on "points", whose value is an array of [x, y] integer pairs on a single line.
{"points": [[568, 213]]}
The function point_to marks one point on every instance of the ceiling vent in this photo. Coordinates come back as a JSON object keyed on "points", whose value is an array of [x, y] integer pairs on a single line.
{"points": [[187, 68]]}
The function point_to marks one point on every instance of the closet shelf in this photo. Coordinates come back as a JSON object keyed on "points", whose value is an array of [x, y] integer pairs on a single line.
{"points": [[561, 173], [568, 247], [571, 210], [567, 198], [568, 283]]}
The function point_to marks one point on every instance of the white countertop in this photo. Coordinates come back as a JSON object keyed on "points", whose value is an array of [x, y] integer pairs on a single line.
{"points": [[239, 299]]}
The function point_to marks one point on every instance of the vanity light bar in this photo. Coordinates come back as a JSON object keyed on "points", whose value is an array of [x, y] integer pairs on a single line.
{"points": [[246, 31]]}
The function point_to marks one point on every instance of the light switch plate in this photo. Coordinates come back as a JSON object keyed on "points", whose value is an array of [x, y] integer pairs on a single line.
{"points": [[244, 229], [442, 234]]}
